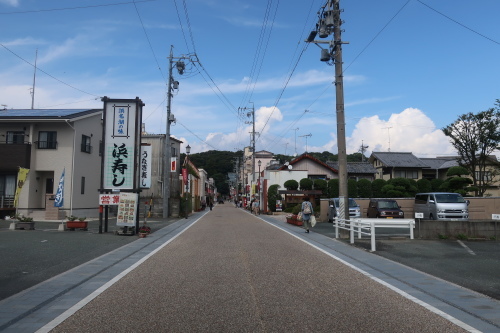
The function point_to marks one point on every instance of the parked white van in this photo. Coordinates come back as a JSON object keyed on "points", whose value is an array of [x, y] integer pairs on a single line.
{"points": [[442, 206]]}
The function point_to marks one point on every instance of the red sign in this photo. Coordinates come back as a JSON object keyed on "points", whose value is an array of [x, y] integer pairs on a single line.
{"points": [[185, 175]]}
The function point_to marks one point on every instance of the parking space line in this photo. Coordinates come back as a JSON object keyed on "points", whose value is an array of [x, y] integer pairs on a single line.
{"points": [[466, 247]]}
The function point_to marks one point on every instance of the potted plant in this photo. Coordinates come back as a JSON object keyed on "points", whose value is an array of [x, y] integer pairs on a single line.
{"points": [[24, 223], [144, 231], [293, 219], [73, 224]]}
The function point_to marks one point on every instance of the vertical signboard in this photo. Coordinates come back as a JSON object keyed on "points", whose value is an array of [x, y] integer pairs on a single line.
{"points": [[127, 209], [121, 143], [145, 173]]}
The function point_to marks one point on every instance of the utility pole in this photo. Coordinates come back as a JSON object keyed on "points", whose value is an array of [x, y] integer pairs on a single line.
{"points": [[172, 85], [362, 150], [389, 135], [306, 136], [296, 129], [329, 22], [34, 79], [251, 113]]}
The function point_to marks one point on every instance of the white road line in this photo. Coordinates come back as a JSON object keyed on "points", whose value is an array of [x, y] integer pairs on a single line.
{"points": [[466, 247], [429, 307], [65, 315]]}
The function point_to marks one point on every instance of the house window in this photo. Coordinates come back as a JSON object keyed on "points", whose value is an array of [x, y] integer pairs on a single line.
{"points": [[86, 147], [174, 152], [83, 186], [410, 174], [14, 137], [47, 140], [484, 176]]}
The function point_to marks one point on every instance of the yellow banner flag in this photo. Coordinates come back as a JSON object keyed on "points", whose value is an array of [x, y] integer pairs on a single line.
{"points": [[21, 178]]}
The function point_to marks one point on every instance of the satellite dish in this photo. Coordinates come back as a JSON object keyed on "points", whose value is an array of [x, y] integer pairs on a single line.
{"points": [[286, 163], [290, 167]]}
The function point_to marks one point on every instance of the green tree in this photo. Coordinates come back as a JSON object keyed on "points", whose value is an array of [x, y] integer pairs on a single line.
{"points": [[291, 184], [436, 184], [352, 188], [321, 185], [377, 185], [364, 188], [273, 196], [456, 183], [306, 184], [333, 188], [399, 188], [475, 136], [424, 185]]}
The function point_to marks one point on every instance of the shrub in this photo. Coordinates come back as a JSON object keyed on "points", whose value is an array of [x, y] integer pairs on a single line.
{"points": [[291, 184], [322, 185], [377, 185], [306, 184], [352, 188], [333, 188], [364, 188]]}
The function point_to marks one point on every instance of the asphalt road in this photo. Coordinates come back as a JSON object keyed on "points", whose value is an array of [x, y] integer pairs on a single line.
{"points": [[33, 256]]}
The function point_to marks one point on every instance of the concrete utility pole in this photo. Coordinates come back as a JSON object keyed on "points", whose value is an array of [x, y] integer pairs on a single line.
{"points": [[251, 113], [329, 23], [167, 156]]}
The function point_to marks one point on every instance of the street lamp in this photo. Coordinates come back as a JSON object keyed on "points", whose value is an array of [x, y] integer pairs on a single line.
{"points": [[188, 150]]}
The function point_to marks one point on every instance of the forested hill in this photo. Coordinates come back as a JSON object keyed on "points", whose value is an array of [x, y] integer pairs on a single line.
{"points": [[217, 164]]}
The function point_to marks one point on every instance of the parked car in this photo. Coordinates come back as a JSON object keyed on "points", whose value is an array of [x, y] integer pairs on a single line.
{"points": [[334, 205], [384, 208], [442, 206]]}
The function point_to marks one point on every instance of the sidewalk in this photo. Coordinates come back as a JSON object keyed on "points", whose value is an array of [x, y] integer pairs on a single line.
{"points": [[227, 270]]}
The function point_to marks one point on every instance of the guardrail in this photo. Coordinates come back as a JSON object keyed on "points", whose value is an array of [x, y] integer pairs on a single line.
{"points": [[368, 226]]}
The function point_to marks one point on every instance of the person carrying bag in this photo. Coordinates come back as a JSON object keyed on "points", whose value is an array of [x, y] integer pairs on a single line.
{"points": [[307, 213]]}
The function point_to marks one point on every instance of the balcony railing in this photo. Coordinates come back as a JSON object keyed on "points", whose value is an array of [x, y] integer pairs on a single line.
{"points": [[7, 201], [46, 144]]}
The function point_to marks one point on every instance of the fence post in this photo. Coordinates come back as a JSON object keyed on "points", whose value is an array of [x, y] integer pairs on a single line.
{"points": [[372, 232]]}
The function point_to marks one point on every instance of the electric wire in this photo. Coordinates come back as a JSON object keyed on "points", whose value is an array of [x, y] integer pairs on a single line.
{"points": [[208, 144], [149, 42], [49, 75], [73, 8], [459, 23]]}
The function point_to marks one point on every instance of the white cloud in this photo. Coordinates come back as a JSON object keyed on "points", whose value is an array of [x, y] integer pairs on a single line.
{"points": [[408, 131], [13, 3]]}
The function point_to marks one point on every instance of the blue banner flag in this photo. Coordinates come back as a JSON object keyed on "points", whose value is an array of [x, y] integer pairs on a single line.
{"points": [[60, 192]]}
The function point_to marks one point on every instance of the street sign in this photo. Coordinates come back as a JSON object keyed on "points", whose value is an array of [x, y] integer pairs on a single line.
{"points": [[419, 215]]}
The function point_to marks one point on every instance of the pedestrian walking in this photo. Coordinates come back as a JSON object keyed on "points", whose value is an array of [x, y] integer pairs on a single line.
{"points": [[211, 204], [307, 211], [256, 207]]}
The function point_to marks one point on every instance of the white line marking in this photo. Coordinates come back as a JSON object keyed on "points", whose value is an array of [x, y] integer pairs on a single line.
{"points": [[466, 247], [66, 314], [397, 290]]}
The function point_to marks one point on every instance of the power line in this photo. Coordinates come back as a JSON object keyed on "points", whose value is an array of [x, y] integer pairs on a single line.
{"points": [[149, 41], [73, 8], [41, 70], [460, 24], [208, 144]]}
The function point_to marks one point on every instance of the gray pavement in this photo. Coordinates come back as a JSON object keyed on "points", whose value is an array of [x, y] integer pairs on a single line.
{"points": [[227, 270]]}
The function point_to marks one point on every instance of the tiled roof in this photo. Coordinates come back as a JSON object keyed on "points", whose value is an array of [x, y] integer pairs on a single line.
{"points": [[45, 113], [439, 163], [355, 167], [404, 160]]}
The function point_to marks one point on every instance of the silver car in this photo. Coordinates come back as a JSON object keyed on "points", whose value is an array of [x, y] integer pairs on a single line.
{"points": [[334, 205]]}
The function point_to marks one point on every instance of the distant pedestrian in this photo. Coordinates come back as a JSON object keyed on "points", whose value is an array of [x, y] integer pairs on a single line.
{"points": [[211, 204], [256, 207], [307, 211]]}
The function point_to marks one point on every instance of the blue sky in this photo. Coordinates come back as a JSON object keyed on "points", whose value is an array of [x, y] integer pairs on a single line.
{"points": [[411, 67]]}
